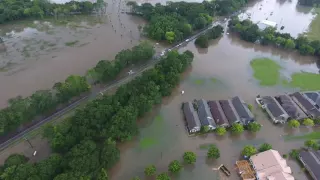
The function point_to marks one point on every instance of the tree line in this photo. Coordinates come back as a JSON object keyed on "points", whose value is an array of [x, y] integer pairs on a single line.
{"points": [[84, 146], [19, 9], [213, 33], [250, 32], [176, 21], [309, 2], [23, 111]]}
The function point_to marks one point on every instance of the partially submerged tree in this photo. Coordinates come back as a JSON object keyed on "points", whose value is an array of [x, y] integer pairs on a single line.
{"points": [[150, 170], [248, 151], [213, 152], [189, 157]]}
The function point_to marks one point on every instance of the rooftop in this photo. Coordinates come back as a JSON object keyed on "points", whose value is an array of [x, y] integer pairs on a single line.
{"points": [[314, 97], [217, 113], [306, 104], [291, 107], [270, 165], [273, 106], [204, 113], [242, 110], [311, 160], [191, 116], [229, 111]]}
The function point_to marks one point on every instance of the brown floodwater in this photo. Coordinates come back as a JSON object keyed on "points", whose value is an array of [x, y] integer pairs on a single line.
{"points": [[218, 72]]}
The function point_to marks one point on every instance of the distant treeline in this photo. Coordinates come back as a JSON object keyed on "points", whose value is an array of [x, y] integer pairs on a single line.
{"points": [[249, 31], [22, 111], [213, 33], [20, 9], [176, 21], [84, 146], [309, 2]]}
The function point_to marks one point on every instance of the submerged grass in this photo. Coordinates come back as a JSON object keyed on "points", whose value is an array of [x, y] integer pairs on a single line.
{"points": [[309, 136], [305, 81], [205, 146], [314, 31], [266, 71], [71, 43], [147, 142]]}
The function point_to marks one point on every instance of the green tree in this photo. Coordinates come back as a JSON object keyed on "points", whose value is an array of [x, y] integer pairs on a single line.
{"points": [[202, 41], [175, 166], [289, 44], [294, 154], [189, 157], [294, 123], [265, 147], [317, 121], [237, 128], [213, 152], [249, 151], [170, 36], [311, 144], [308, 122], [254, 127], [204, 129], [150, 170], [220, 131], [163, 176], [103, 175], [15, 160]]}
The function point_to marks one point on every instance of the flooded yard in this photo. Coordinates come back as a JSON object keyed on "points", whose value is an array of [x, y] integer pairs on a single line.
{"points": [[219, 72]]}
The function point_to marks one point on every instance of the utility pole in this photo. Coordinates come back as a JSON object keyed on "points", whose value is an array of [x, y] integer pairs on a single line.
{"points": [[28, 142]]}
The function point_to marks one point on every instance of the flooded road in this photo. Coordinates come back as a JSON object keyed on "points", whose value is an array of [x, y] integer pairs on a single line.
{"points": [[218, 72]]}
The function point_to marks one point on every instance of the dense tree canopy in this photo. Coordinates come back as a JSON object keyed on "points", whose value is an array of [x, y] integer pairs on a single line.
{"points": [[19, 9], [249, 31], [176, 21], [86, 143], [45, 102]]}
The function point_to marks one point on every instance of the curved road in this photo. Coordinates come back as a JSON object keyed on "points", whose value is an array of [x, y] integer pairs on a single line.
{"points": [[93, 94]]}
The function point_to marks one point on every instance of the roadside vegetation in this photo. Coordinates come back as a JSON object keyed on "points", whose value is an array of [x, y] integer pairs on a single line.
{"points": [[213, 33], [23, 111], [176, 21], [85, 146], [15, 9]]}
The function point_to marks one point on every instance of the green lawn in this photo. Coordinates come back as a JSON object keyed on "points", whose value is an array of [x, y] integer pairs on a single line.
{"points": [[305, 81], [309, 136], [314, 31], [147, 142], [266, 71]]}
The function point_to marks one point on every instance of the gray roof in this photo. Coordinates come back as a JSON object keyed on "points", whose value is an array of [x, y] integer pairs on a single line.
{"points": [[311, 159], [191, 116], [229, 111], [291, 107], [314, 97], [204, 113], [217, 113], [244, 113], [274, 107], [307, 105]]}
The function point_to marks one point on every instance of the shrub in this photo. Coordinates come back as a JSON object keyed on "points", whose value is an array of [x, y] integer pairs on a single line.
{"points": [[294, 154], [204, 129], [150, 170], [221, 131], [265, 147], [254, 127], [189, 157], [249, 151], [308, 122], [163, 176], [285, 156], [174, 166], [294, 123], [213, 152], [311, 144], [250, 107], [202, 41], [237, 128]]}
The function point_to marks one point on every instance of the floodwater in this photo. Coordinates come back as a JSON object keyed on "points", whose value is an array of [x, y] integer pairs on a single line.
{"points": [[38, 54], [218, 72]]}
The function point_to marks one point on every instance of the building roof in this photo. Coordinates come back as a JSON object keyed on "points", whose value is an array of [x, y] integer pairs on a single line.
{"points": [[229, 111], [291, 107], [204, 113], [217, 113], [311, 160], [270, 164], [269, 23], [273, 106], [191, 116], [306, 104], [314, 97], [242, 110]]}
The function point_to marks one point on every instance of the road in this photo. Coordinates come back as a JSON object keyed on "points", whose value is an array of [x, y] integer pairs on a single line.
{"points": [[5, 143]]}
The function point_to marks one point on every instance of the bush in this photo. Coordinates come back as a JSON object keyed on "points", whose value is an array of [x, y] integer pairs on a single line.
{"points": [[316, 121], [202, 41], [189, 157], [221, 131], [308, 122], [311, 144], [285, 156], [265, 147], [250, 107], [237, 128], [254, 127], [294, 123], [204, 129], [294, 154], [150, 170], [174, 166], [136, 178], [163, 176], [213, 152], [249, 151]]}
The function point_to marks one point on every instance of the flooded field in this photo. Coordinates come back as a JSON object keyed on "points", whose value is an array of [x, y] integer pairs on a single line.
{"points": [[218, 72]]}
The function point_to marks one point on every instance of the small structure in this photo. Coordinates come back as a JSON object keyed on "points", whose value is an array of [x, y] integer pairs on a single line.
{"points": [[290, 107], [230, 111], [274, 109], [218, 114], [270, 165], [311, 161], [205, 115], [243, 111], [265, 23], [191, 117], [314, 97], [306, 106], [245, 170], [224, 169]]}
